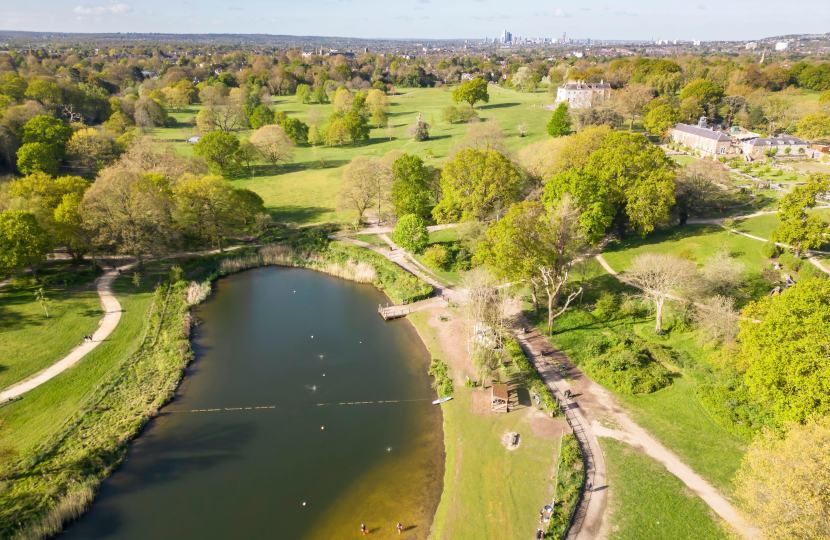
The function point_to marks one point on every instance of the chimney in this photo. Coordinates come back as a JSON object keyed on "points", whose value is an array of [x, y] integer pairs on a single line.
{"points": [[702, 122]]}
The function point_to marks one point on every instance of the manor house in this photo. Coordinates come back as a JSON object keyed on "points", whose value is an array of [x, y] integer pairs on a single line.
{"points": [[582, 95]]}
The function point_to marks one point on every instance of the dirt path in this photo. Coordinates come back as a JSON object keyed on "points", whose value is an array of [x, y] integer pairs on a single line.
{"points": [[112, 314], [589, 407]]}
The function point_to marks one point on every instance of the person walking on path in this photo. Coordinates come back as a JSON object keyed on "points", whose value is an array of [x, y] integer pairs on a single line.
{"points": [[400, 528], [363, 529]]}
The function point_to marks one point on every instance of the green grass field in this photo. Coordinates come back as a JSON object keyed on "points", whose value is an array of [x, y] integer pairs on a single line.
{"points": [[304, 192], [649, 503], [40, 412], [762, 226], [489, 491], [700, 241], [30, 342]]}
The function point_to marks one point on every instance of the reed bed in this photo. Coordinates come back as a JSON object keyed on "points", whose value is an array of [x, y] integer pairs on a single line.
{"points": [[69, 508], [359, 271]]}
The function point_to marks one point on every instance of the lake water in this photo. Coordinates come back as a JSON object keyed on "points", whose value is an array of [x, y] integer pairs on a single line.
{"points": [[245, 474]]}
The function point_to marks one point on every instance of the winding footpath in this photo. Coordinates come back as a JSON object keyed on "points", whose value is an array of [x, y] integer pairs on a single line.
{"points": [[591, 413], [112, 315]]}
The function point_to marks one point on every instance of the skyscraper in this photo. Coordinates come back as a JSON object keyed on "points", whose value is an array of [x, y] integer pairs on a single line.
{"points": [[506, 37]]}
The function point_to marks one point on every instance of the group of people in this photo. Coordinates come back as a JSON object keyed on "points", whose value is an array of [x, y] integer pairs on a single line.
{"points": [[364, 530], [87, 339]]}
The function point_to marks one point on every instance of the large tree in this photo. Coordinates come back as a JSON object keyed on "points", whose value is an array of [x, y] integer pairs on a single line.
{"points": [[206, 207], [659, 276], [538, 244], [23, 242], [630, 101], [274, 145], [411, 233], [798, 228], [131, 212], [471, 92], [90, 148], [37, 157], [360, 186], [49, 131], [659, 119], [786, 352], [411, 193], [626, 182], [477, 184], [560, 123], [219, 150], [784, 482]]}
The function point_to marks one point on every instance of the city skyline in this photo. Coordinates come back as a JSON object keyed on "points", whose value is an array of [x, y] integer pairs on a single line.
{"points": [[423, 19]]}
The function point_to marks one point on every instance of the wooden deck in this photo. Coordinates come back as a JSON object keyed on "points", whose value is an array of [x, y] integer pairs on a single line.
{"points": [[393, 312]]}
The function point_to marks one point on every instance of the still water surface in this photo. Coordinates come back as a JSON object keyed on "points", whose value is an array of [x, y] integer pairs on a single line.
{"points": [[245, 474]]}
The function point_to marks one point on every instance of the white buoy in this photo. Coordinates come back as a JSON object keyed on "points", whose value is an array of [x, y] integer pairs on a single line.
{"points": [[322, 427], [303, 504], [324, 374], [312, 337]]}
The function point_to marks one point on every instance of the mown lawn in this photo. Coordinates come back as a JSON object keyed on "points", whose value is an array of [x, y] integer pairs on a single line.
{"points": [[489, 492], [649, 503], [31, 342], [304, 192], [762, 226], [40, 412], [696, 241]]}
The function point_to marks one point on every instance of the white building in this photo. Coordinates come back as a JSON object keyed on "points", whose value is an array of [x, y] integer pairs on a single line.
{"points": [[582, 95], [781, 46], [751, 46]]}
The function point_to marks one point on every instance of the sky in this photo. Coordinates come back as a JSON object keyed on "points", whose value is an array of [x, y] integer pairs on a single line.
{"points": [[427, 19]]}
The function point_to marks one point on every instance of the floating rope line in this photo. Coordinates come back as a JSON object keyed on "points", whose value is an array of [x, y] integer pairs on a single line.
{"points": [[318, 405]]}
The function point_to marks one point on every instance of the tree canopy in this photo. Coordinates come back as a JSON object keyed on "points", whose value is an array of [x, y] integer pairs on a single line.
{"points": [[411, 192], [471, 92]]}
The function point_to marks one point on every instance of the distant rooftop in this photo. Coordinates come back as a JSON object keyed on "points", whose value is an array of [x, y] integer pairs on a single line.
{"points": [[706, 133], [776, 141]]}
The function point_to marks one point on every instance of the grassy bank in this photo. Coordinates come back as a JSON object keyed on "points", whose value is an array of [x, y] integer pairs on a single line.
{"points": [[55, 479], [649, 503], [29, 340], [63, 437], [489, 491]]}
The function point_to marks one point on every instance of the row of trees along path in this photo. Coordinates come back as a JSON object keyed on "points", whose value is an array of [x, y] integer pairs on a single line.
{"points": [[112, 316], [590, 411]]}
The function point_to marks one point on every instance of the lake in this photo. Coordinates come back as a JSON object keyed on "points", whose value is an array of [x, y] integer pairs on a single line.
{"points": [[301, 359]]}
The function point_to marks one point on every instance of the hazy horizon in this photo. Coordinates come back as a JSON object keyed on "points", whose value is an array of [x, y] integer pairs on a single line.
{"points": [[424, 19]]}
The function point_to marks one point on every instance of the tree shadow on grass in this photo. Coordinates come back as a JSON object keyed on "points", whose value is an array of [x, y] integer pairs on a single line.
{"points": [[299, 214], [675, 234], [498, 105]]}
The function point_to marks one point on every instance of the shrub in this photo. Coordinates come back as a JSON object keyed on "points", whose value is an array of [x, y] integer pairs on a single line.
{"points": [[770, 275], [790, 261], [607, 303], [442, 383], [770, 250], [810, 271], [629, 366], [437, 256]]}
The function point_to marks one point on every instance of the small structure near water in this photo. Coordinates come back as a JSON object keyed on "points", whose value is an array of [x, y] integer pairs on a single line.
{"points": [[499, 398]]}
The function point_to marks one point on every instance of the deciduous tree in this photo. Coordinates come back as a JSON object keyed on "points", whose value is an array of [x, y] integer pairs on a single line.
{"points": [[274, 145], [23, 242], [411, 192], [90, 148], [476, 184], [219, 150], [411, 233], [659, 275], [471, 92], [360, 186]]}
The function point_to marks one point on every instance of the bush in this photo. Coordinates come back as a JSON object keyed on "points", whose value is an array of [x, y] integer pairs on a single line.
{"points": [[630, 366], [437, 256], [810, 271], [770, 250], [790, 261], [607, 303], [442, 383]]}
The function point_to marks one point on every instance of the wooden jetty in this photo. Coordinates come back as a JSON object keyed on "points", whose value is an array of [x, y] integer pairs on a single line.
{"points": [[393, 312]]}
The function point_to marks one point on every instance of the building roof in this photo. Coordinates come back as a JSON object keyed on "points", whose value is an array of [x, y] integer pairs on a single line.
{"points": [[706, 133], [776, 141], [500, 391], [581, 85]]}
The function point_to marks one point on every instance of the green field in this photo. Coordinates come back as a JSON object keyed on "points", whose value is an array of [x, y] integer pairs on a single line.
{"points": [[489, 491], [304, 192], [649, 503], [446, 237], [31, 342], [762, 226], [40, 412]]}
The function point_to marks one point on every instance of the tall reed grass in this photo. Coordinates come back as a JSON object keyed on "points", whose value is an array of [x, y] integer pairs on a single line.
{"points": [[69, 508], [359, 271]]}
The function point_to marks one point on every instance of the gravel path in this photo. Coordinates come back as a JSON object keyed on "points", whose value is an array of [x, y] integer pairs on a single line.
{"points": [[112, 314]]}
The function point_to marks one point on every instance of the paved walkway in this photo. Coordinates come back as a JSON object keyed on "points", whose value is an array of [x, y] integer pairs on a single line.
{"points": [[112, 314]]}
